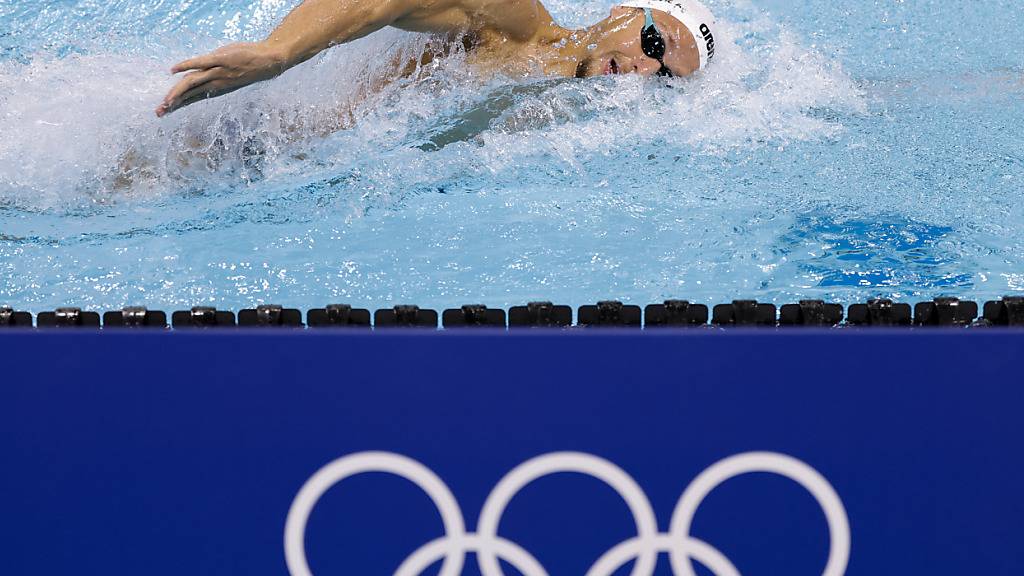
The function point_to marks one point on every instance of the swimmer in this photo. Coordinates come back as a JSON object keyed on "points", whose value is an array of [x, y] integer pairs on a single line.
{"points": [[514, 37]]}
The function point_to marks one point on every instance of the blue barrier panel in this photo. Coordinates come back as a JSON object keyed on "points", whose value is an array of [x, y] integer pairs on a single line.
{"points": [[223, 453]]}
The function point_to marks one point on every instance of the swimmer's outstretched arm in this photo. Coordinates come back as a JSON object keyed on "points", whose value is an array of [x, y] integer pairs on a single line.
{"points": [[312, 27]]}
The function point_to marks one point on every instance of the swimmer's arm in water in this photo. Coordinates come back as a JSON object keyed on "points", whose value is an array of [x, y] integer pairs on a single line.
{"points": [[310, 28], [316, 25]]}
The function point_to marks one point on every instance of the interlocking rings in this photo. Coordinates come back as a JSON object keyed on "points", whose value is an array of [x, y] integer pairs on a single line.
{"points": [[682, 548]]}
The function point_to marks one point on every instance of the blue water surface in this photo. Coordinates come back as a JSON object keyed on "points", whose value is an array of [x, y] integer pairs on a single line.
{"points": [[837, 150]]}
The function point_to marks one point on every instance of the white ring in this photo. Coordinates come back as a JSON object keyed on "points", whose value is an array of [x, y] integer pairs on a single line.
{"points": [[644, 547], [517, 479], [321, 482], [809, 478], [700, 551], [514, 554]]}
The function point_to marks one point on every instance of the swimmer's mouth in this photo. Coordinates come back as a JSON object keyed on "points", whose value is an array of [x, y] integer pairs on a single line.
{"points": [[613, 66]]}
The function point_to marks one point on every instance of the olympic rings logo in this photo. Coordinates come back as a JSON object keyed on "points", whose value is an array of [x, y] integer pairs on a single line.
{"points": [[681, 547]]}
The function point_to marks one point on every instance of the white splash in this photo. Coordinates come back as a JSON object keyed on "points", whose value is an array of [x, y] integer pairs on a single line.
{"points": [[79, 129]]}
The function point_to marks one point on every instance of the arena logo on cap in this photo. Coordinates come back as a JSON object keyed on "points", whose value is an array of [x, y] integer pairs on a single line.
{"points": [[705, 30], [709, 38], [681, 547]]}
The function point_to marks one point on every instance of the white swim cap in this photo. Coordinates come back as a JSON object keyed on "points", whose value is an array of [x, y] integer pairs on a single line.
{"points": [[694, 15]]}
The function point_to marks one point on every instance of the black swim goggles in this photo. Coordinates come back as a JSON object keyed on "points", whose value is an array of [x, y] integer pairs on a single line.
{"points": [[653, 43]]}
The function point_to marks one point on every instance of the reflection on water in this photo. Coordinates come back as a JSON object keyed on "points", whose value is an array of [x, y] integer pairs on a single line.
{"points": [[889, 253]]}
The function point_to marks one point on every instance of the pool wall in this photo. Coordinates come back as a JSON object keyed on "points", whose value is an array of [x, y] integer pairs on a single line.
{"points": [[216, 452]]}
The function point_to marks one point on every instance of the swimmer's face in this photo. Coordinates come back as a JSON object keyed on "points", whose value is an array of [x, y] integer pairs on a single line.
{"points": [[618, 50]]}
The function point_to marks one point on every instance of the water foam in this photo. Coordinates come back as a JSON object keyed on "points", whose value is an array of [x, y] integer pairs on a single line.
{"points": [[79, 130]]}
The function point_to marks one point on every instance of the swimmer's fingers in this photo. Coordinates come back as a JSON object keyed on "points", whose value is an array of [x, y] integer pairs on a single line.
{"points": [[204, 92], [190, 82], [197, 63], [232, 67]]}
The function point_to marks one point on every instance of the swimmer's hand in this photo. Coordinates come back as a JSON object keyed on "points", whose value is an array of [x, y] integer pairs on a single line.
{"points": [[312, 27], [221, 72]]}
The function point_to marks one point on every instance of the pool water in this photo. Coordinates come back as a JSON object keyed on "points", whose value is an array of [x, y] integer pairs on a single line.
{"points": [[836, 150]]}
